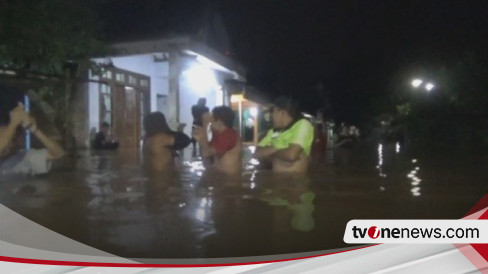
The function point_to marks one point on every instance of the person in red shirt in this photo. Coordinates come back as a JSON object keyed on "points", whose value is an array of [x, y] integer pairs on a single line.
{"points": [[225, 149]]}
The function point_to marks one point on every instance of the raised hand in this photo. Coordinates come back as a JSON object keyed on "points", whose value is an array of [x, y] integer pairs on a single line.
{"points": [[206, 118], [29, 123], [17, 114]]}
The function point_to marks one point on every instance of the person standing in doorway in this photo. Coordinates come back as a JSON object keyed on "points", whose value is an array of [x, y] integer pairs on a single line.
{"points": [[103, 138]]}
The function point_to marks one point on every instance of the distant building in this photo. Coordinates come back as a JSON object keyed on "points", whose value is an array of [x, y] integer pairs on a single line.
{"points": [[252, 113]]}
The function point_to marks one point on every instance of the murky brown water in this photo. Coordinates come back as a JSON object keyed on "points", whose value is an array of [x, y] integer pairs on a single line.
{"points": [[108, 202]]}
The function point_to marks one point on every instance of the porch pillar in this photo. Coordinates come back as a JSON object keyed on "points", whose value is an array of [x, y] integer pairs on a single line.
{"points": [[174, 88]]}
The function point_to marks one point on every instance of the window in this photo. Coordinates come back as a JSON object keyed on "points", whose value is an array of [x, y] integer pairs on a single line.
{"points": [[132, 80], [144, 83], [105, 104], [119, 77], [107, 74]]}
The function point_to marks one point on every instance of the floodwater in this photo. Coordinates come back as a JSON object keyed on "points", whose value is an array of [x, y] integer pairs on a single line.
{"points": [[107, 201]]}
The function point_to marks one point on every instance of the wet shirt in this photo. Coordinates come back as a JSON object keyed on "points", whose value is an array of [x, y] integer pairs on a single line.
{"points": [[31, 162], [181, 140], [300, 133], [225, 141]]}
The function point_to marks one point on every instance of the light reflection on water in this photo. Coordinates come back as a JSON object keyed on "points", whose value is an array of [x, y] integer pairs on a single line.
{"points": [[192, 212], [380, 161], [415, 181], [412, 175]]}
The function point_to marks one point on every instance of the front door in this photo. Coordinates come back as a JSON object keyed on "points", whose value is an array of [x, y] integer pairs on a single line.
{"points": [[129, 104], [126, 115]]}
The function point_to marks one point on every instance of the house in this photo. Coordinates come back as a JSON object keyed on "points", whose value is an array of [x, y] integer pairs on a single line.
{"points": [[167, 75], [164, 66]]}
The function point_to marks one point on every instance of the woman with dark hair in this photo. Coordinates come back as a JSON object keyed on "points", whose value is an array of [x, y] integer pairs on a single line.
{"points": [[160, 142]]}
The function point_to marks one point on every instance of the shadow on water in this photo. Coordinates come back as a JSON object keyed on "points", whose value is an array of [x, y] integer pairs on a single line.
{"points": [[106, 200]]}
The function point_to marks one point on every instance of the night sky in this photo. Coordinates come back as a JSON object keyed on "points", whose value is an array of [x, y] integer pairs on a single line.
{"points": [[346, 51]]}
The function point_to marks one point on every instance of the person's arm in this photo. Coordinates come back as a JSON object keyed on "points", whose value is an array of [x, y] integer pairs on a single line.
{"points": [[206, 119], [207, 149], [291, 153], [200, 134], [55, 151], [264, 149], [6, 135], [264, 152]]}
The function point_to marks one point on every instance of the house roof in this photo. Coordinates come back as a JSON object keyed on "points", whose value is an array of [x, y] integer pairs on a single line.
{"points": [[183, 44]]}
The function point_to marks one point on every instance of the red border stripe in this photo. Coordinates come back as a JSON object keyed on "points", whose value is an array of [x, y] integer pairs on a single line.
{"points": [[71, 263], [481, 204]]}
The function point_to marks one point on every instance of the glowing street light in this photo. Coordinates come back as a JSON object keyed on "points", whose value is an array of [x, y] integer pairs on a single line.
{"points": [[416, 83], [429, 86], [419, 83]]}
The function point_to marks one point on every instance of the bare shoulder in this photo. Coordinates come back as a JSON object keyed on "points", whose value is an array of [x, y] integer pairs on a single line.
{"points": [[160, 139]]}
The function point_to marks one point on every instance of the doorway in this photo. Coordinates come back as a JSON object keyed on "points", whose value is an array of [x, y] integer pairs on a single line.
{"points": [[129, 102]]}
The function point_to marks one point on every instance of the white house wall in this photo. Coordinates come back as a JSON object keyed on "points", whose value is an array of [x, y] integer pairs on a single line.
{"points": [[189, 96], [190, 93]]}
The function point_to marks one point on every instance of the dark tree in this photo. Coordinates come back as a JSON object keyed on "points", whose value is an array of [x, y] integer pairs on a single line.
{"points": [[41, 36]]}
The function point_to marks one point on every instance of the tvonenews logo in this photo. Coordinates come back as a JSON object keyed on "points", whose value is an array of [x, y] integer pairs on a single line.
{"points": [[416, 231], [373, 232]]}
